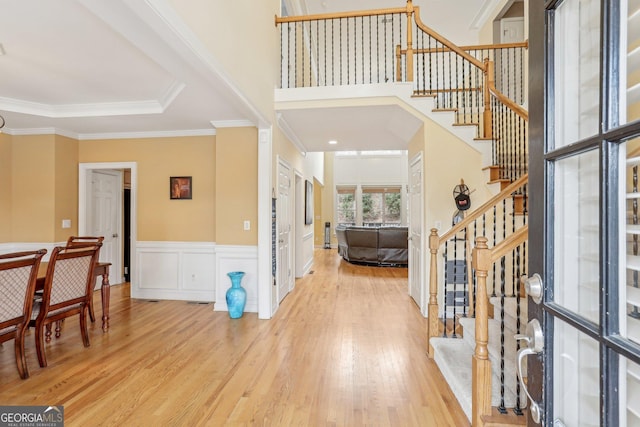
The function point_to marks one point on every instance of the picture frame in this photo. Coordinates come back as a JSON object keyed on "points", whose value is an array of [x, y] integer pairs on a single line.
{"points": [[308, 202], [180, 188]]}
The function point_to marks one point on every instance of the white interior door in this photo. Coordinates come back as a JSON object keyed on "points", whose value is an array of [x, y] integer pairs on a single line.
{"points": [[105, 218], [416, 264], [285, 218]]}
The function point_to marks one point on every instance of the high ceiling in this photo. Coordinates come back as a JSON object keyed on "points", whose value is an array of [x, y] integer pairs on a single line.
{"points": [[99, 69]]}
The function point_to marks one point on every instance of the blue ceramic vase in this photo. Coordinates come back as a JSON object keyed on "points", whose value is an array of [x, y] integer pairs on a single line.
{"points": [[236, 295]]}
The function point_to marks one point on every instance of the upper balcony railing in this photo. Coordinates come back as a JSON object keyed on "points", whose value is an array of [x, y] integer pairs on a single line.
{"points": [[484, 85]]}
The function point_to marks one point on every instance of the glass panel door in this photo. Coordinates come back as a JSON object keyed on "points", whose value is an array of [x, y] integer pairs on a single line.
{"points": [[585, 210]]}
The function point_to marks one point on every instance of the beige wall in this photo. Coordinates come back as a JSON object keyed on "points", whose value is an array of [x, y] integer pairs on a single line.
{"points": [[40, 188], [33, 189], [236, 186], [447, 160], [318, 223], [328, 200], [5, 188], [251, 55], [66, 187], [159, 218]]}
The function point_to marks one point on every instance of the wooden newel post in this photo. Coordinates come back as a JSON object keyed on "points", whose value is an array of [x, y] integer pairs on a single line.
{"points": [[434, 330], [489, 82], [409, 41], [481, 365]]}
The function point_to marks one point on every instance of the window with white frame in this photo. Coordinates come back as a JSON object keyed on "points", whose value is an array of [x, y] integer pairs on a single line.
{"points": [[346, 205], [381, 206]]}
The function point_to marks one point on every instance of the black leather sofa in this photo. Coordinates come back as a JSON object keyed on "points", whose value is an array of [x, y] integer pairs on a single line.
{"points": [[373, 245]]}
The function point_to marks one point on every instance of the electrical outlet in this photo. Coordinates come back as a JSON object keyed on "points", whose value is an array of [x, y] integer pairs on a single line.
{"points": [[247, 225], [66, 223]]}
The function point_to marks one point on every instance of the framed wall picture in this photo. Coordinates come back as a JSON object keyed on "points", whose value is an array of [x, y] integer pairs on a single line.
{"points": [[180, 187], [308, 202]]}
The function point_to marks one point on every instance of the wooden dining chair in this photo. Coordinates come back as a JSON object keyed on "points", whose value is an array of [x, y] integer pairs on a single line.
{"points": [[18, 274], [68, 288], [78, 241]]}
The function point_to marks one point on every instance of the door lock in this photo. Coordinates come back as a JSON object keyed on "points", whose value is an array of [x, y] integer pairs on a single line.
{"points": [[534, 340], [533, 287]]}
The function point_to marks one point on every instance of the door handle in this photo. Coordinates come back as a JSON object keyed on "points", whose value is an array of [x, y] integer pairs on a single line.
{"points": [[534, 339], [533, 286]]}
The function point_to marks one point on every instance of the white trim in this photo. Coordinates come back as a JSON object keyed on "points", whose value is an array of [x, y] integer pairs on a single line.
{"points": [[83, 173], [110, 135], [6, 248], [293, 137], [483, 14], [40, 131], [150, 134], [232, 123], [265, 193], [176, 270], [307, 240]]}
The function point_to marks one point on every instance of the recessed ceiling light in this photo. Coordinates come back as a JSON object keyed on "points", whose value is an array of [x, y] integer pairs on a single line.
{"points": [[333, 142]]}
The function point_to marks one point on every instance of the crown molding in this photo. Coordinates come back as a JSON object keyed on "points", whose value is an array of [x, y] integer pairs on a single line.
{"points": [[94, 109], [110, 135], [286, 129], [142, 135], [232, 124], [483, 14]]}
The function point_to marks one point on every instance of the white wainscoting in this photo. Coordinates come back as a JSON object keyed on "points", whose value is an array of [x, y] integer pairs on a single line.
{"points": [[307, 250], [188, 271], [175, 270], [237, 258], [6, 248]]}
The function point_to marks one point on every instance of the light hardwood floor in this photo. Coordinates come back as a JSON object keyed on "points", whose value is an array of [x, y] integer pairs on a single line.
{"points": [[346, 348]]}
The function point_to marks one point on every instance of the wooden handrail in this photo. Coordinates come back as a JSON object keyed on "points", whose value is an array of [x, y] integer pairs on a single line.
{"points": [[510, 243], [483, 208], [509, 103], [524, 44], [354, 14], [446, 42]]}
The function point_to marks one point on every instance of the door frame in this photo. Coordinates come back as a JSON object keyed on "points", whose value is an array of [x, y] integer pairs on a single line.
{"points": [[283, 163], [298, 225], [84, 171], [422, 304]]}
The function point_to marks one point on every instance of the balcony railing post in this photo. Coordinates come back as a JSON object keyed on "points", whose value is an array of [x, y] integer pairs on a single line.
{"points": [[434, 243], [489, 82], [398, 63], [481, 365], [409, 41]]}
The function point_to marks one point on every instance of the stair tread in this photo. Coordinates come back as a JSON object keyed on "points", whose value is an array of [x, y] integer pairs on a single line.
{"points": [[510, 349], [453, 357], [510, 310]]}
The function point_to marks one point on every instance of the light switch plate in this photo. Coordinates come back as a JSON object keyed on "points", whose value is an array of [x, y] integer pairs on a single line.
{"points": [[66, 223], [247, 225]]}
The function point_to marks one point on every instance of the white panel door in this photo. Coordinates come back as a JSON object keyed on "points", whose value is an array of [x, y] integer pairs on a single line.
{"points": [[285, 218], [416, 264], [106, 208]]}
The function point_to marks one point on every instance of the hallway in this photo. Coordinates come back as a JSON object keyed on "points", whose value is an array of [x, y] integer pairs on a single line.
{"points": [[346, 348]]}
